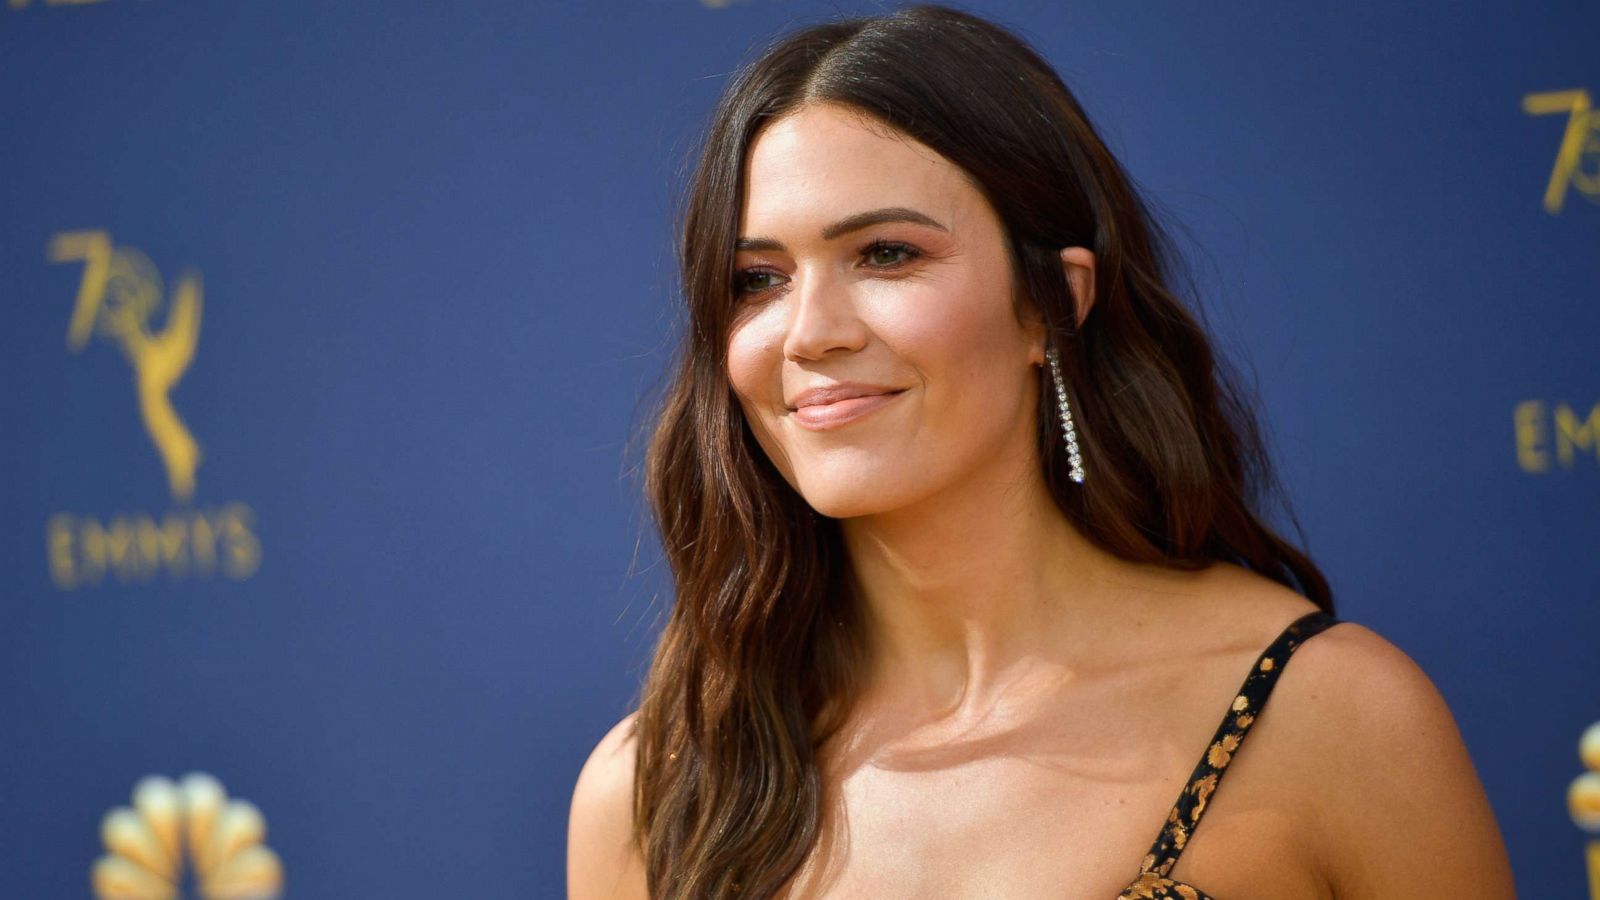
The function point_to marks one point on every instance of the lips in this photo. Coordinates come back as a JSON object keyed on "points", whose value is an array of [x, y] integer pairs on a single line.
{"points": [[822, 416], [844, 390]]}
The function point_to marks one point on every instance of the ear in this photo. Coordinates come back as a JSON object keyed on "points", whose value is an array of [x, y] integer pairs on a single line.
{"points": [[1079, 265]]}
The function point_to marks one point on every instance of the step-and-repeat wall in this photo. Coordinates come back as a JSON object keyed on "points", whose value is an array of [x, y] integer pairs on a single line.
{"points": [[330, 329]]}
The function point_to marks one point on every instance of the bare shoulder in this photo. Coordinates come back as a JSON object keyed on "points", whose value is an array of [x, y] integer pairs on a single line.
{"points": [[602, 860], [1379, 756]]}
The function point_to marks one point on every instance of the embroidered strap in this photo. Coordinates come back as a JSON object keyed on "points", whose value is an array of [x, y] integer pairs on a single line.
{"points": [[1247, 705]]}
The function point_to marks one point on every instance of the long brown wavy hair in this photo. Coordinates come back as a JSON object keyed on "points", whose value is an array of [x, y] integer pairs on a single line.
{"points": [[755, 665]]}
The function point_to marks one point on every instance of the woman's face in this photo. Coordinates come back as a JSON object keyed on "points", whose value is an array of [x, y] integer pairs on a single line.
{"points": [[867, 258]]}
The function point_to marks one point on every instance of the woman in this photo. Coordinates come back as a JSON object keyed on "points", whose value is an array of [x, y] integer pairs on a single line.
{"points": [[960, 514]]}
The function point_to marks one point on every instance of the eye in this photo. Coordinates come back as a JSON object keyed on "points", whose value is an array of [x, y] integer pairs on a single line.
{"points": [[890, 247], [742, 281], [877, 251]]}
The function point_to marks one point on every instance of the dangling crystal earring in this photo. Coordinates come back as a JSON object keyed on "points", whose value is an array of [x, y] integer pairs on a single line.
{"points": [[1076, 474]]}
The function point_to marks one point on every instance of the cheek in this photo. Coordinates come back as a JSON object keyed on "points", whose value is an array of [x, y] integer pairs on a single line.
{"points": [[754, 370], [756, 375], [960, 341]]}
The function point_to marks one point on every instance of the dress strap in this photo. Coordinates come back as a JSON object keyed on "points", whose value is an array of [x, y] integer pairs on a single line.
{"points": [[1184, 816]]}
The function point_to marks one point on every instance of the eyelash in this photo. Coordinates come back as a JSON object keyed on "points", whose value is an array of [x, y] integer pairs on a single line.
{"points": [[908, 252]]}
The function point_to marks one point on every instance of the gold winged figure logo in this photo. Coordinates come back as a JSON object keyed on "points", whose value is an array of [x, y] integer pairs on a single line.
{"points": [[118, 298]]}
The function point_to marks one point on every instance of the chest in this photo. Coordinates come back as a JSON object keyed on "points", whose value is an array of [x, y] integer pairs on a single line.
{"points": [[1065, 810]]}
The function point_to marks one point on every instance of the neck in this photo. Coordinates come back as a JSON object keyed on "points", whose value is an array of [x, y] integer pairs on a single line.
{"points": [[977, 588]]}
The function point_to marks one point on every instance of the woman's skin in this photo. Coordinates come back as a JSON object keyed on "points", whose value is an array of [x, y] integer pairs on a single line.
{"points": [[1034, 705]]}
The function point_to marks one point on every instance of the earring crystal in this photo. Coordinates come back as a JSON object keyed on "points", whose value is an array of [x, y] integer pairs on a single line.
{"points": [[1076, 473]]}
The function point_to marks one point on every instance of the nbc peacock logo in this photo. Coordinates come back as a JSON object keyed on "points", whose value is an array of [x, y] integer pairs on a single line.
{"points": [[190, 819], [1583, 802]]}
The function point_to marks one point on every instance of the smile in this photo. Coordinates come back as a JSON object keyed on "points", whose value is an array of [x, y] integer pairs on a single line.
{"points": [[827, 416]]}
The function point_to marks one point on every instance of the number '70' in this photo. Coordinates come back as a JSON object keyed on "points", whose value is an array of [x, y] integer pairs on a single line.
{"points": [[1582, 134]]}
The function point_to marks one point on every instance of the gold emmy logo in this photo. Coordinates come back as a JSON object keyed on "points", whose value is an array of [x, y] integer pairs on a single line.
{"points": [[1583, 802], [119, 297], [1579, 142], [120, 292], [221, 838], [1537, 425]]}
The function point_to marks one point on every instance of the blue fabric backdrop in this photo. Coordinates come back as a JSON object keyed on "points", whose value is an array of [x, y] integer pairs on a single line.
{"points": [[328, 324]]}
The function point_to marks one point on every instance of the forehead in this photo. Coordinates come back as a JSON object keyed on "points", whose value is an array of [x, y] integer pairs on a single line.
{"points": [[825, 161]]}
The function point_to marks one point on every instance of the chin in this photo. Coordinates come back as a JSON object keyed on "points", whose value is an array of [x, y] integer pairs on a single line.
{"points": [[844, 508], [841, 499]]}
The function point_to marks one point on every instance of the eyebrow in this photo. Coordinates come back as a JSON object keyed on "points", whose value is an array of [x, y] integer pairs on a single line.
{"points": [[846, 225]]}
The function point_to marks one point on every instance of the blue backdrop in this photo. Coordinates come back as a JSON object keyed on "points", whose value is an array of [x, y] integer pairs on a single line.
{"points": [[329, 325]]}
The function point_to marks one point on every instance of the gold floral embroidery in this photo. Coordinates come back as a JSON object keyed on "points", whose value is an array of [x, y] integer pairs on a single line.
{"points": [[1240, 702], [1153, 886], [1144, 887], [1266, 664], [1202, 792], [1222, 751]]}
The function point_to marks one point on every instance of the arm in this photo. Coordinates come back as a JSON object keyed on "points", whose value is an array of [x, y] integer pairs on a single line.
{"points": [[602, 861], [1402, 811]]}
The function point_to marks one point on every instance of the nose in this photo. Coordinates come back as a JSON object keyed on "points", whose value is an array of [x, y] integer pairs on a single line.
{"points": [[822, 318]]}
